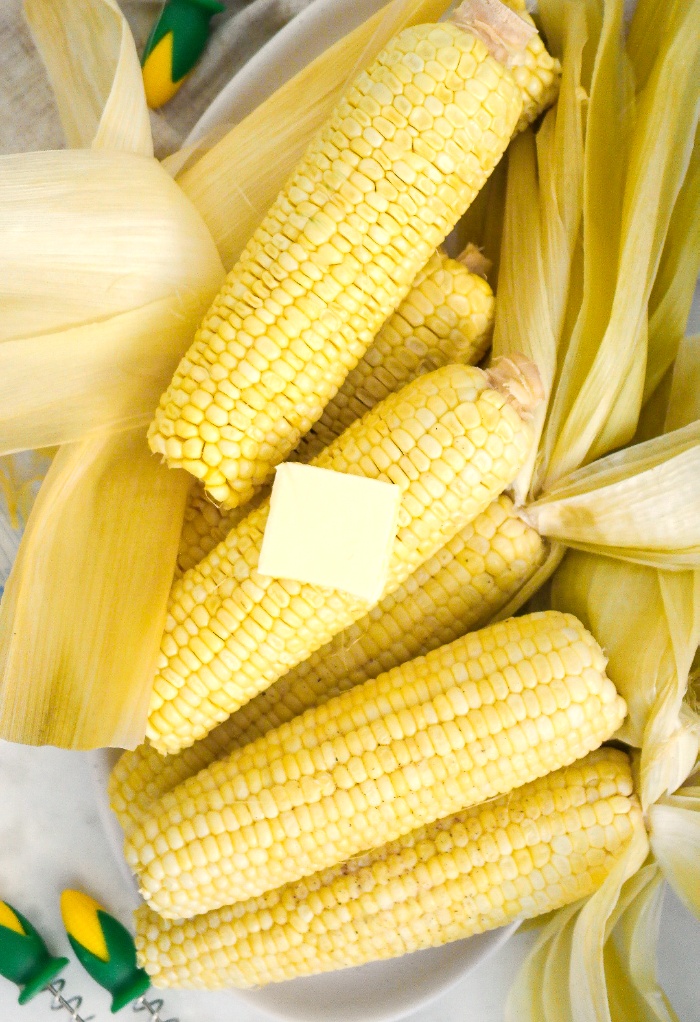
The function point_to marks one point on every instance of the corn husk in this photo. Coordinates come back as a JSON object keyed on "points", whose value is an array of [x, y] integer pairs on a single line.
{"points": [[101, 286], [234, 183], [674, 831], [84, 608], [608, 82], [672, 294], [639, 504], [94, 71], [20, 478], [541, 225], [103, 289], [598, 401], [684, 391]]}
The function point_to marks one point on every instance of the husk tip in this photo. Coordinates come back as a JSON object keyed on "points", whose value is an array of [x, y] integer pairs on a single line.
{"points": [[519, 379], [504, 33]]}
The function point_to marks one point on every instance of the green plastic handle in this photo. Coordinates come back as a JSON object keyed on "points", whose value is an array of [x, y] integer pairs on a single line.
{"points": [[24, 957], [104, 948], [188, 20]]}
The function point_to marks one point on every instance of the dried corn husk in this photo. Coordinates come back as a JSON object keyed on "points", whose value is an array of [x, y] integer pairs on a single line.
{"points": [[236, 181], [542, 219], [103, 290], [598, 400], [639, 504], [95, 73], [84, 608], [672, 294], [20, 479], [101, 287], [674, 831], [684, 391]]}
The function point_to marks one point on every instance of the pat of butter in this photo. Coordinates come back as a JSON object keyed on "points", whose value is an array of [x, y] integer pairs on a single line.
{"points": [[330, 529]]}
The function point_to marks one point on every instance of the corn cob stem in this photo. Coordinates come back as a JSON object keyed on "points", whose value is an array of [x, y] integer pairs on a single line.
{"points": [[470, 720], [407, 149], [449, 440], [458, 590], [544, 845]]}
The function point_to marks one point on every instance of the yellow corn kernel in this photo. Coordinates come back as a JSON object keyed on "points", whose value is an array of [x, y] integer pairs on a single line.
{"points": [[537, 74], [450, 440], [447, 316], [458, 590], [204, 526], [530, 852], [394, 168], [469, 721]]}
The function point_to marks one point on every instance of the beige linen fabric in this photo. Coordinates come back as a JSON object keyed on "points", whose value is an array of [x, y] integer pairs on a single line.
{"points": [[28, 118]]}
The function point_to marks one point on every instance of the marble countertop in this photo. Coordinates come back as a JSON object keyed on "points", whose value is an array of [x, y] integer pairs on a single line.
{"points": [[53, 836]]}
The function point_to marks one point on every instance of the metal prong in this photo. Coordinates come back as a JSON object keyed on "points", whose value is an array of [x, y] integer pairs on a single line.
{"points": [[154, 1007], [71, 1005]]}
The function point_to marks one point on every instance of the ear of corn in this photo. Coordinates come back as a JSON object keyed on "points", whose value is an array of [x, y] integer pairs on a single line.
{"points": [[537, 73], [205, 525], [449, 440], [335, 255], [447, 316], [547, 844], [454, 592], [474, 719]]}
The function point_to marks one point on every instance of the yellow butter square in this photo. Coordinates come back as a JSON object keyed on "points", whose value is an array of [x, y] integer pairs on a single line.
{"points": [[331, 529]]}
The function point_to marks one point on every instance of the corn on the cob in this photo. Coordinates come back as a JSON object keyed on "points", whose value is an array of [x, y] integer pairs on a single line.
{"points": [[405, 152], [450, 440], [204, 526], [447, 316], [537, 74], [458, 590], [544, 845], [471, 720]]}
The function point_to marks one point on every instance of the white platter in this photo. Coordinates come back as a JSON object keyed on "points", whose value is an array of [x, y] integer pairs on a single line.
{"points": [[381, 991]]}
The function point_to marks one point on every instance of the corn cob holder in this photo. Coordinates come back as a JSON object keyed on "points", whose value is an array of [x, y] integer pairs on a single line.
{"points": [[174, 46], [26, 961], [106, 951]]}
